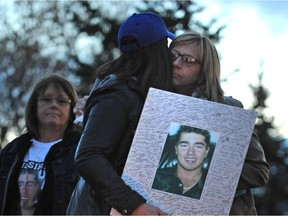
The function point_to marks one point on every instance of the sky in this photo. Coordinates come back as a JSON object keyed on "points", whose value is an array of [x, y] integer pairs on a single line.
{"points": [[255, 40]]}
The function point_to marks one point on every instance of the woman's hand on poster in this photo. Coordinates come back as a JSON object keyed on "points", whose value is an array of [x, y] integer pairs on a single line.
{"points": [[146, 209]]}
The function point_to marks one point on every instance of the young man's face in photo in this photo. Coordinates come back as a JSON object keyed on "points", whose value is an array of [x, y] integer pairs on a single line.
{"points": [[191, 150], [28, 188]]}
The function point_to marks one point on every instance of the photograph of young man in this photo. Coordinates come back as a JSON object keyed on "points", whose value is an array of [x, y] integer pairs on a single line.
{"points": [[188, 175]]}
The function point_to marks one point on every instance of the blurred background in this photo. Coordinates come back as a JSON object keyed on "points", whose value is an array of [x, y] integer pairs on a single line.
{"points": [[72, 38]]}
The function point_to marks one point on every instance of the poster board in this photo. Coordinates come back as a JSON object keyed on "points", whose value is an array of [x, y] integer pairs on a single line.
{"points": [[230, 128]]}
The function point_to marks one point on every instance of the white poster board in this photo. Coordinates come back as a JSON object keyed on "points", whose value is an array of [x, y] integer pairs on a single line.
{"points": [[230, 127]]}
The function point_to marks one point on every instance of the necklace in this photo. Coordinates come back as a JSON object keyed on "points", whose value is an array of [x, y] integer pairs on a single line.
{"points": [[187, 188], [196, 180]]}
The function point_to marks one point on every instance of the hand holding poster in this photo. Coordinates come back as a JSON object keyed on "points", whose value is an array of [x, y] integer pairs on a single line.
{"points": [[157, 169]]}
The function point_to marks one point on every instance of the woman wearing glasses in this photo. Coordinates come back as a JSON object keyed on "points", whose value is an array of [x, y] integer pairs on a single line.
{"points": [[196, 67], [196, 73], [47, 150]]}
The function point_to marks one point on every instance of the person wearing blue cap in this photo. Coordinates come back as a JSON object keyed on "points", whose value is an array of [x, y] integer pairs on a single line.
{"points": [[196, 73], [147, 27], [111, 115]]}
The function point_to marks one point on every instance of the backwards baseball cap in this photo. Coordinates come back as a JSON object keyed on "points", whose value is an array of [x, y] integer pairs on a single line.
{"points": [[145, 28]]}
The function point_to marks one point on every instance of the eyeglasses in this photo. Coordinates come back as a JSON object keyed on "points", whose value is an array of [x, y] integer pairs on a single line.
{"points": [[49, 100], [185, 59]]}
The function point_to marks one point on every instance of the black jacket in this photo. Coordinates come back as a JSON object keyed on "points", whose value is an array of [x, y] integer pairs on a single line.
{"points": [[105, 143], [111, 117], [61, 175]]}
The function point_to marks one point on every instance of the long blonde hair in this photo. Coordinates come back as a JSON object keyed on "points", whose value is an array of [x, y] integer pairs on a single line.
{"points": [[210, 69]]}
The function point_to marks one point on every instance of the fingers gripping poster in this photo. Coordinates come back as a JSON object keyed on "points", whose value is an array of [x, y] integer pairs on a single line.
{"points": [[187, 154]]}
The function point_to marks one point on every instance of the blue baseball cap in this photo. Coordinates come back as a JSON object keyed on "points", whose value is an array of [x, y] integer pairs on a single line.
{"points": [[146, 28]]}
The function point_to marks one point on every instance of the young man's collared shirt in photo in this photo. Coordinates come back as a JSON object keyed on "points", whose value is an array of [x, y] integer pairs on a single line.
{"points": [[166, 180]]}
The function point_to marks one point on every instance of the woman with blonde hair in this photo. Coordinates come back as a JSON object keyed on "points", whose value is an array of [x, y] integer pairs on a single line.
{"points": [[196, 73]]}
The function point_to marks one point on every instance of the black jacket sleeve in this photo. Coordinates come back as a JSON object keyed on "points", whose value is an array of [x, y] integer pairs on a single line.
{"points": [[255, 171], [105, 144]]}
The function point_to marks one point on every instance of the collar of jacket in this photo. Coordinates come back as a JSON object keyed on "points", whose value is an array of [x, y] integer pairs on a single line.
{"points": [[229, 100]]}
